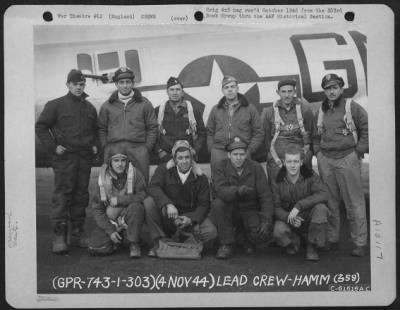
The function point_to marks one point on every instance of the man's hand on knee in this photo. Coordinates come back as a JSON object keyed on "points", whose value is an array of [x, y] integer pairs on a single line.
{"points": [[172, 211], [113, 201], [293, 218]]}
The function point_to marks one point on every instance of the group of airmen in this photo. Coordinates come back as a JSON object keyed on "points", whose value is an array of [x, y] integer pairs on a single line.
{"points": [[288, 204]]}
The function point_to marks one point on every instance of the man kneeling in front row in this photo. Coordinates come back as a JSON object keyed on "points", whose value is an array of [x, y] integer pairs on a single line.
{"points": [[300, 206], [243, 197], [117, 206], [179, 199]]}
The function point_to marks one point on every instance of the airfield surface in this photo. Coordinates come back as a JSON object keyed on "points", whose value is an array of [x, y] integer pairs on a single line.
{"points": [[268, 269]]}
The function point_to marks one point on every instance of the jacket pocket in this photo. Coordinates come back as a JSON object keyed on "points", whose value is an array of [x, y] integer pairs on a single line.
{"points": [[244, 123], [68, 124], [221, 138], [136, 129], [115, 120]]}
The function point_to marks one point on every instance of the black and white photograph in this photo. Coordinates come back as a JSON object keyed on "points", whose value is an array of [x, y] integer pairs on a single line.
{"points": [[178, 155]]}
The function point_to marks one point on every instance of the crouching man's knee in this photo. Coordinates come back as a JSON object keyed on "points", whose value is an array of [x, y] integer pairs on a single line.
{"points": [[317, 234], [150, 205], [135, 209], [207, 231], [282, 233], [319, 214], [317, 229]]}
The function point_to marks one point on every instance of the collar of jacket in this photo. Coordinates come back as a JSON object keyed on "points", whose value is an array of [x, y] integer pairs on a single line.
{"points": [[305, 173], [299, 180], [241, 98], [137, 96], [232, 170], [75, 98], [174, 171], [325, 103], [295, 101]]}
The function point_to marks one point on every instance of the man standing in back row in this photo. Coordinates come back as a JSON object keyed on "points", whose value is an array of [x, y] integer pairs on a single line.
{"points": [[233, 116], [178, 119], [68, 129], [128, 119], [288, 122], [340, 140]]}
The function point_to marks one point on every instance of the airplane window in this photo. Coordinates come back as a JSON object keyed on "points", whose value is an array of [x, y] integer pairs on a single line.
{"points": [[85, 62], [132, 61], [108, 61]]}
